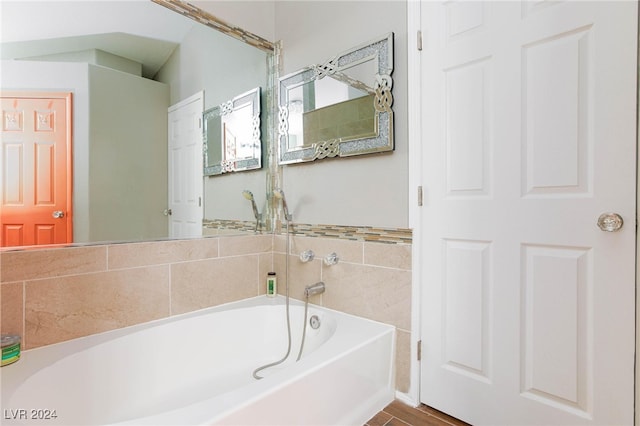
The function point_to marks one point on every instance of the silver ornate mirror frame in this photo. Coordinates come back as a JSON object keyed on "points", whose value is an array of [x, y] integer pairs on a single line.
{"points": [[381, 52], [220, 151]]}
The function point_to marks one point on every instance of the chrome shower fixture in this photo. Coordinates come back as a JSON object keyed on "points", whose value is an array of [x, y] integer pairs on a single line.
{"points": [[278, 193], [331, 259], [249, 196], [307, 256], [317, 288]]}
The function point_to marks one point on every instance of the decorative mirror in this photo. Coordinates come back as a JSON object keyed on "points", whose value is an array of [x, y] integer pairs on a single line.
{"points": [[232, 135], [340, 108]]}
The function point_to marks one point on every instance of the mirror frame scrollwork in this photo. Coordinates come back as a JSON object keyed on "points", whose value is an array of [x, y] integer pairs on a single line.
{"points": [[381, 52], [229, 163]]}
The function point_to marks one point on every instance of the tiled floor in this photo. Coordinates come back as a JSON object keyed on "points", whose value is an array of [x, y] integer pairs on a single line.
{"points": [[400, 414]]}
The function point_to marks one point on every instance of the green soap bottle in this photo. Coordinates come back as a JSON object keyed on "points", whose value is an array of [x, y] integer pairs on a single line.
{"points": [[10, 349], [272, 284]]}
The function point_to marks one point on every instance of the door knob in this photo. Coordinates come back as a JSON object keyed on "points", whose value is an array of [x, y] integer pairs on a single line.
{"points": [[610, 222], [167, 212], [58, 214]]}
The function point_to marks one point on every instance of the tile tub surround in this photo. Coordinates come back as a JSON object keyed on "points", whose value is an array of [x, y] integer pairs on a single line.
{"points": [[371, 280], [52, 295]]}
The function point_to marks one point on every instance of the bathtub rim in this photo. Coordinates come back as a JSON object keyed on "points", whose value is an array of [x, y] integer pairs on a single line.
{"points": [[260, 300]]}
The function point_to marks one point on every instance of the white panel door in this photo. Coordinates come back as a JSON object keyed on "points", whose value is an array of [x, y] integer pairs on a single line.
{"points": [[185, 168], [528, 121]]}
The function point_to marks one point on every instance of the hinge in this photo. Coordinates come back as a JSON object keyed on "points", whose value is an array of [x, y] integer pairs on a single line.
{"points": [[199, 201], [199, 123], [420, 196], [419, 40], [419, 350]]}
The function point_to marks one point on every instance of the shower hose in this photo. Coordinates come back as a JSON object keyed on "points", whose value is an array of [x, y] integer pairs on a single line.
{"points": [[304, 323]]}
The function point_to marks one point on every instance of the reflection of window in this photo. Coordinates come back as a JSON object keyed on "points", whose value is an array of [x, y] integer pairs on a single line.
{"points": [[330, 92], [229, 143], [344, 121], [326, 109], [295, 123], [239, 125]]}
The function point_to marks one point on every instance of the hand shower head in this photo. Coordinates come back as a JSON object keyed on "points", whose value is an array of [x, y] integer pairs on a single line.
{"points": [[249, 196], [278, 193]]}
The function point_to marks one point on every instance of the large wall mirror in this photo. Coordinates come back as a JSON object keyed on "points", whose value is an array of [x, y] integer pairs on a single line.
{"points": [[340, 108], [125, 63]]}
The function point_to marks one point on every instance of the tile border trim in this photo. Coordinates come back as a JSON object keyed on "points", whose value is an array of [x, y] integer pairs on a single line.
{"points": [[343, 232], [355, 233]]}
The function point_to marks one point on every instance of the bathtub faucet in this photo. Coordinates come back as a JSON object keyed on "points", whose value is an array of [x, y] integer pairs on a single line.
{"points": [[312, 289]]}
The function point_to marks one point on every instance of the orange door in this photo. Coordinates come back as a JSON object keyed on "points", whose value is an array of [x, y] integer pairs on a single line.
{"points": [[36, 169]]}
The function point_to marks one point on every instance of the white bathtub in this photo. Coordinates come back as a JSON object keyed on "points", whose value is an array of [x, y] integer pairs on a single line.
{"points": [[197, 369]]}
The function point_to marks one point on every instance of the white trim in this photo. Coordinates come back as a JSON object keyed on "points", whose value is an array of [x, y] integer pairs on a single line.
{"points": [[404, 397], [412, 397], [637, 355]]}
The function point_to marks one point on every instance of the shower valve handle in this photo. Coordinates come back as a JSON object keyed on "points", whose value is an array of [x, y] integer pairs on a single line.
{"points": [[331, 259], [307, 256]]}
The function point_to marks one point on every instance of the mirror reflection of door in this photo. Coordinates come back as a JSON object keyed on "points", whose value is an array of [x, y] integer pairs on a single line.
{"points": [[185, 168], [35, 167]]}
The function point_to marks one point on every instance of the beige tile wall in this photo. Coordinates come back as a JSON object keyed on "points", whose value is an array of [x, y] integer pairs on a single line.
{"points": [[52, 295], [371, 280]]}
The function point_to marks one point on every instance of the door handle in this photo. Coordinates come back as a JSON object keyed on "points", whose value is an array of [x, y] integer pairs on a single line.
{"points": [[167, 212], [610, 222], [58, 214]]}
